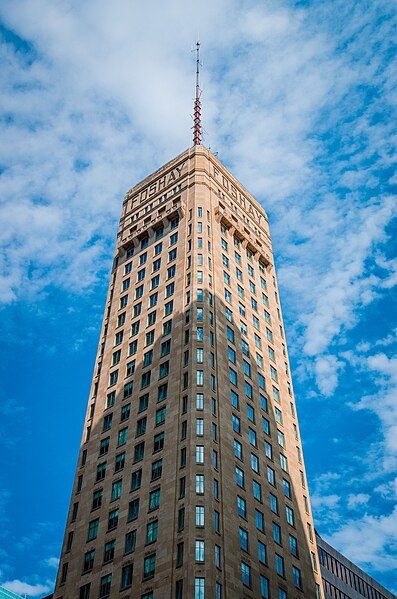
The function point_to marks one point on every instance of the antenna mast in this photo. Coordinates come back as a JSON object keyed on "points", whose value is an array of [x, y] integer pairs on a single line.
{"points": [[197, 101]]}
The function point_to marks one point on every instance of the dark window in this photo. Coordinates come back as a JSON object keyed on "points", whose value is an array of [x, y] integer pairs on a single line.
{"points": [[104, 588], [136, 480], [133, 510], [126, 576], [85, 591], [130, 540]]}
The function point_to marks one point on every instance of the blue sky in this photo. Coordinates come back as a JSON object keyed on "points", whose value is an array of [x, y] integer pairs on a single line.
{"points": [[299, 103]]}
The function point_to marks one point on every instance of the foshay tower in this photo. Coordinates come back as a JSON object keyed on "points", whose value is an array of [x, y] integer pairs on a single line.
{"points": [[190, 481]]}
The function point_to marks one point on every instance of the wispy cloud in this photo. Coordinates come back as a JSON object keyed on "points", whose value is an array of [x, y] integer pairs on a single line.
{"points": [[24, 588]]}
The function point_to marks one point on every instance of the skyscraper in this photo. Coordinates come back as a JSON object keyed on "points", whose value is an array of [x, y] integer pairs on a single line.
{"points": [[190, 480]]}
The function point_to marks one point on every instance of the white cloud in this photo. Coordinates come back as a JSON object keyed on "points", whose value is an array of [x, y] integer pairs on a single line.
{"points": [[24, 588], [52, 562], [384, 402], [357, 500], [369, 541]]}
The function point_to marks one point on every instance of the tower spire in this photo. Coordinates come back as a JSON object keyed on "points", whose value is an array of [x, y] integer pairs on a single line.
{"points": [[197, 101]]}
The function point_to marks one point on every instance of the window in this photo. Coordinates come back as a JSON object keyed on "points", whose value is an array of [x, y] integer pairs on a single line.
{"points": [[181, 519], [250, 413], [236, 423], [199, 401], [151, 532], [287, 489], [199, 588], [116, 490], [259, 521], [164, 369], [122, 436], [113, 519], [243, 539], [119, 462], [273, 503], [280, 569], [100, 471], [154, 499], [143, 402], [217, 526], [252, 437], [168, 307], [149, 566], [109, 551], [139, 451], [154, 283], [256, 490], [145, 379], [283, 462], [254, 463], [199, 378], [88, 562], [104, 446], [93, 529], [264, 584], [113, 377], [297, 577], [199, 484], [127, 390], [246, 574], [293, 545], [158, 442], [199, 427], [268, 450], [232, 376], [199, 551], [199, 515], [126, 576], [179, 554], [157, 469], [136, 480], [199, 454], [134, 331], [276, 529], [239, 477], [85, 591], [125, 412], [234, 399], [160, 416], [105, 584], [241, 507], [238, 449], [133, 510], [217, 556], [262, 554], [289, 513], [265, 425], [271, 476]]}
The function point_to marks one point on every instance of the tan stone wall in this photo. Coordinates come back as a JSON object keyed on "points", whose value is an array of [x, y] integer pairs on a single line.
{"points": [[195, 179]]}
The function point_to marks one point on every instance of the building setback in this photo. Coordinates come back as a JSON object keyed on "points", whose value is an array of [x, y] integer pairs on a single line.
{"points": [[190, 480], [344, 580]]}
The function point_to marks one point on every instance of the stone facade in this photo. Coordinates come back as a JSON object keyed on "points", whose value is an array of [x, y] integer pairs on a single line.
{"points": [[190, 480]]}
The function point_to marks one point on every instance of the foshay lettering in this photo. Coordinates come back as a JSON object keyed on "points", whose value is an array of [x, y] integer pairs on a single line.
{"points": [[162, 182], [237, 196]]}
